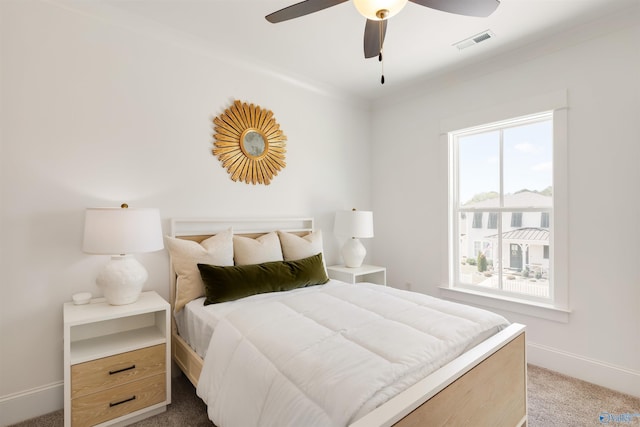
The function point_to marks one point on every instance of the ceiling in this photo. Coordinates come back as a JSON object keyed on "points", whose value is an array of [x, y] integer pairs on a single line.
{"points": [[325, 49]]}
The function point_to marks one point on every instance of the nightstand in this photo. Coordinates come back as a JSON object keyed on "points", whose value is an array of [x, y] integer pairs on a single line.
{"points": [[364, 273], [116, 361]]}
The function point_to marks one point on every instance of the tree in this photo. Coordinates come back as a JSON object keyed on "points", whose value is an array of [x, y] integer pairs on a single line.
{"points": [[482, 262]]}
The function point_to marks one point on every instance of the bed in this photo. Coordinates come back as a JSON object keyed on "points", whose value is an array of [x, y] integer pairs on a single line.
{"points": [[480, 381]]}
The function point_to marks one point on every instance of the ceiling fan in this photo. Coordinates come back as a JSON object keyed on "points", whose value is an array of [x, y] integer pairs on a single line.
{"points": [[378, 12]]}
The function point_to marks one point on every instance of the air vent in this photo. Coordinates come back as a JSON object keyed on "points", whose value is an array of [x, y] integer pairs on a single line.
{"points": [[485, 35]]}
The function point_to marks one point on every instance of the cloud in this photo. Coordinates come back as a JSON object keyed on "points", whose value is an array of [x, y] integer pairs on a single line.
{"points": [[542, 166], [525, 147]]}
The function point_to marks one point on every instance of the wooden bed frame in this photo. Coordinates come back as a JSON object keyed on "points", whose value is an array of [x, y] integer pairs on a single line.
{"points": [[486, 386]]}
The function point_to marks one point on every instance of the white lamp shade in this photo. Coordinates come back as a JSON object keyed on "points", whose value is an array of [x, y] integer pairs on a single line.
{"points": [[358, 224], [121, 232], [369, 8], [113, 231]]}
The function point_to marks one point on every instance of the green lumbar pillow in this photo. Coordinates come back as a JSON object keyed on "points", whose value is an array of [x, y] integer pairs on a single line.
{"points": [[233, 282]]}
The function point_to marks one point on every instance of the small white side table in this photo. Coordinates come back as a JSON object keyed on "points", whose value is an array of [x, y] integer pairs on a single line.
{"points": [[364, 273], [116, 361]]}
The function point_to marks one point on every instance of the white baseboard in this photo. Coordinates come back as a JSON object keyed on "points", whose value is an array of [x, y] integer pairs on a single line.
{"points": [[31, 403], [594, 371]]}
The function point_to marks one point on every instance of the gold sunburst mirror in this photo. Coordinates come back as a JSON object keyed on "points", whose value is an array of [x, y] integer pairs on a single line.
{"points": [[249, 143]]}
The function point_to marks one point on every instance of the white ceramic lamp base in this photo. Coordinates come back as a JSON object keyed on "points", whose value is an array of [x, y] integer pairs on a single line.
{"points": [[353, 253], [122, 279]]}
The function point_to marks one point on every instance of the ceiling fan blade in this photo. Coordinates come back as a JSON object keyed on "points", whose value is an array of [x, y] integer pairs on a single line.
{"points": [[372, 40], [481, 8], [301, 9]]}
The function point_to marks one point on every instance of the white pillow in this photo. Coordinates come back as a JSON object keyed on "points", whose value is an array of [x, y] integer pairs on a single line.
{"points": [[296, 247], [185, 256], [265, 248]]}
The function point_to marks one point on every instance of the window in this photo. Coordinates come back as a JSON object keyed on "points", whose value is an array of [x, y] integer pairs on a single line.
{"points": [[493, 221], [504, 169], [477, 220], [516, 219], [495, 171], [544, 220], [477, 247]]}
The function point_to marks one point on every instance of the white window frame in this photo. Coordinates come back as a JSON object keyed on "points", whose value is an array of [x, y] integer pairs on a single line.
{"points": [[557, 307], [514, 216]]}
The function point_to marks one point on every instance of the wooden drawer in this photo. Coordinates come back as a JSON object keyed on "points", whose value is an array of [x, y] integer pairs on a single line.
{"points": [[100, 374], [114, 402]]}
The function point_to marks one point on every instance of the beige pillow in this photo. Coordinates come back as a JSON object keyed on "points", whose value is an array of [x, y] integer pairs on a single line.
{"points": [[296, 247], [185, 256], [265, 248]]}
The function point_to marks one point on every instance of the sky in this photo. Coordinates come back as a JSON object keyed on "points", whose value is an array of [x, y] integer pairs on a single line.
{"points": [[528, 157]]}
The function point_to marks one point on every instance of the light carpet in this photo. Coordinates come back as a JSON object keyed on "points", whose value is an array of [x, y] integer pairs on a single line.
{"points": [[553, 400]]}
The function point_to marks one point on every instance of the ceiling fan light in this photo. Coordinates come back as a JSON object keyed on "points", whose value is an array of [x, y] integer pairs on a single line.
{"points": [[370, 8]]}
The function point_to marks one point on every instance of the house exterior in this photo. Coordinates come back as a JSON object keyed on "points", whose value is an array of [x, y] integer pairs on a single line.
{"points": [[525, 235]]}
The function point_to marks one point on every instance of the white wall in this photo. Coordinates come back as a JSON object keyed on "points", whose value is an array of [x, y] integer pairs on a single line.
{"points": [[600, 341], [98, 109]]}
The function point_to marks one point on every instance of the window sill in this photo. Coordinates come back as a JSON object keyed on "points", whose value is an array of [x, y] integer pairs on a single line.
{"points": [[544, 311]]}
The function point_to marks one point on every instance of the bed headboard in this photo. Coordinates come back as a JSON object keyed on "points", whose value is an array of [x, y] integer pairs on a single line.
{"points": [[191, 228], [198, 229]]}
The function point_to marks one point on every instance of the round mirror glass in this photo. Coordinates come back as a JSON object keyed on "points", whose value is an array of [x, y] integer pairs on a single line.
{"points": [[253, 143]]}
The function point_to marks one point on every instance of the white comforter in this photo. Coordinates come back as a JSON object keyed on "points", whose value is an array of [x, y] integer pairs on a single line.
{"points": [[327, 355]]}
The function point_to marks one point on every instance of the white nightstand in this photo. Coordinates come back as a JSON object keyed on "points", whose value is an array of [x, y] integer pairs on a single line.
{"points": [[364, 273], [116, 361]]}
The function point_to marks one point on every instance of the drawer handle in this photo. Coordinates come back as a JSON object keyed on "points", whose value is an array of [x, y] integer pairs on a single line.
{"points": [[117, 371], [111, 405]]}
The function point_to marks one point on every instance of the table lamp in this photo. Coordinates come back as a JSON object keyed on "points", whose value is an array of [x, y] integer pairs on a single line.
{"points": [[356, 225], [122, 232]]}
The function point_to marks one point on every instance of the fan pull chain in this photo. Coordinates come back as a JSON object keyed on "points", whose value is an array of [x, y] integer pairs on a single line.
{"points": [[380, 58]]}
